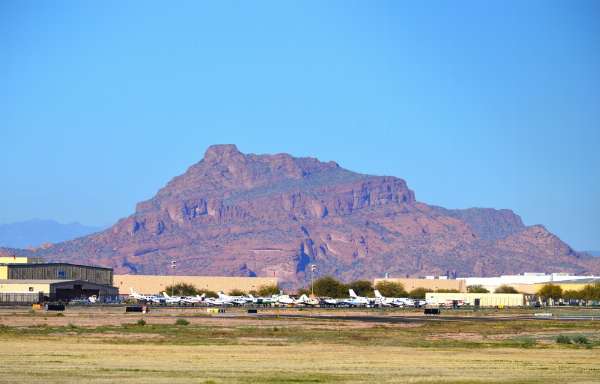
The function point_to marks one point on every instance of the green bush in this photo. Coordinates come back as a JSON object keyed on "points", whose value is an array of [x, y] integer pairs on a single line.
{"points": [[267, 290], [141, 322], [182, 322], [362, 288], [505, 289], [580, 339], [476, 289], [447, 291], [181, 289], [330, 287], [207, 293], [391, 289], [562, 339], [237, 292], [60, 314], [550, 291], [418, 293]]}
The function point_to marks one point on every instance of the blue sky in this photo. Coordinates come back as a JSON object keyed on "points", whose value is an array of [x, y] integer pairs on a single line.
{"points": [[486, 104]]}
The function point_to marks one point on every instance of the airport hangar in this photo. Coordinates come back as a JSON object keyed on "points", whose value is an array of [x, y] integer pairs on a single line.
{"points": [[29, 280], [153, 284]]}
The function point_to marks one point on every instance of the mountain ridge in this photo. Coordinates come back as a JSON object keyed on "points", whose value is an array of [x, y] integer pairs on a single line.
{"points": [[35, 232], [273, 215]]}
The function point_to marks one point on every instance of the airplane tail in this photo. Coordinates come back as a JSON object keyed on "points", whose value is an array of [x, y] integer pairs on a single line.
{"points": [[221, 295], [352, 293], [378, 294], [165, 295]]}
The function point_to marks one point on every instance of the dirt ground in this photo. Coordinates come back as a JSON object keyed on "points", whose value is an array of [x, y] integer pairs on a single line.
{"points": [[106, 345]]}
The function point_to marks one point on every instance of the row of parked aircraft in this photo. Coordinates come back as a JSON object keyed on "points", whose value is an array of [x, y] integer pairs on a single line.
{"points": [[285, 300]]}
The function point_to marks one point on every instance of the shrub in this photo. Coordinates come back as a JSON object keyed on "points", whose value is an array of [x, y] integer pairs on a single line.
{"points": [[330, 287], [391, 289], [181, 322], [581, 340], [562, 339], [181, 289], [550, 291], [476, 289], [447, 291], [60, 314], [419, 293], [237, 292], [505, 289], [207, 293], [267, 290], [362, 288], [141, 322]]}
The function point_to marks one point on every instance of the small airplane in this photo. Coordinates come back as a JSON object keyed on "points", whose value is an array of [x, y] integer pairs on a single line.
{"points": [[234, 300], [172, 299], [305, 300], [263, 299], [284, 299], [329, 301], [146, 298], [355, 300], [393, 301], [193, 299]]}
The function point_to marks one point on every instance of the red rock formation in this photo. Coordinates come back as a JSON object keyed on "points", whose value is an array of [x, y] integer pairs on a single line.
{"points": [[274, 215]]}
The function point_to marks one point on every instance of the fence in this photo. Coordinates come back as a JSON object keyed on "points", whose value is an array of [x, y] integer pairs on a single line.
{"points": [[21, 298]]}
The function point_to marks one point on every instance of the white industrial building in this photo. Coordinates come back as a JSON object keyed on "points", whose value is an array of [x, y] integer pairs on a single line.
{"points": [[491, 283]]}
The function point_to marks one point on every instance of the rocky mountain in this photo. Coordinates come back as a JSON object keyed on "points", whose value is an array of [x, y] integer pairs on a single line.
{"points": [[35, 232], [275, 215]]}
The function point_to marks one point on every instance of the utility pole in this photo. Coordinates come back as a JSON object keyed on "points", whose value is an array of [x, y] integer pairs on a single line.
{"points": [[173, 267], [313, 268]]}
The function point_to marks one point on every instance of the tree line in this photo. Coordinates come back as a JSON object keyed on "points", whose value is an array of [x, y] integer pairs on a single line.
{"points": [[331, 287], [185, 289]]}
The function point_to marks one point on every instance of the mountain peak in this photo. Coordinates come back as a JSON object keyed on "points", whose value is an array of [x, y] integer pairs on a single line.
{"points": [[220, 152], [275, 214]]}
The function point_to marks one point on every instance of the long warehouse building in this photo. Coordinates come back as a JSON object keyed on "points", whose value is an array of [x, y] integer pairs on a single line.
{"points": [[152, 284]]}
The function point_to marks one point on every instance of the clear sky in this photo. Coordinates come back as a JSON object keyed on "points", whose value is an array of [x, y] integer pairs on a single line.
{"points": [[482, 103]]}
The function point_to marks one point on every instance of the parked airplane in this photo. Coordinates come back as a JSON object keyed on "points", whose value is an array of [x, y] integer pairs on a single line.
{"points": [[355, 300], [305, 300], [235, 300], [284, 299], [193, 299], [393, 301], [172, 299], [147, 298]]}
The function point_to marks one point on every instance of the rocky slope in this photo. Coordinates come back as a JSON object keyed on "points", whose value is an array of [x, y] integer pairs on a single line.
{"points": [[274, 215]]}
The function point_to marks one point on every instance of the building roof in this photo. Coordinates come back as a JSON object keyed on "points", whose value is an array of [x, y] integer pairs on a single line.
{"points": [[52, 264], [590, 280], [53, 281]]}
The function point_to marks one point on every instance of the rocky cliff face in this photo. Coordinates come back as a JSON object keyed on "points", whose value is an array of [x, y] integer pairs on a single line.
{"points": [[274, 215]]}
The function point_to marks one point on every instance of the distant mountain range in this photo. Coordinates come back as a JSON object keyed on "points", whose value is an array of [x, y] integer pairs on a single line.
{"points": [[34, 233], [237, 214], [594, 253]]}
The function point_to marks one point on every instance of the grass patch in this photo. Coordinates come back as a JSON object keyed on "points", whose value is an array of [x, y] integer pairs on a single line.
{"points": [[182, 322], [563, 339]]}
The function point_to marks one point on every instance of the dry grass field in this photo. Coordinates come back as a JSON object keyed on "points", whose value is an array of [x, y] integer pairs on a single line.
{"points": [[108, 346]]}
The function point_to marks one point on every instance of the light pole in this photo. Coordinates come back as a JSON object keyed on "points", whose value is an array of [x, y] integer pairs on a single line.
{"points": [[313, 268], [173, 267]]}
